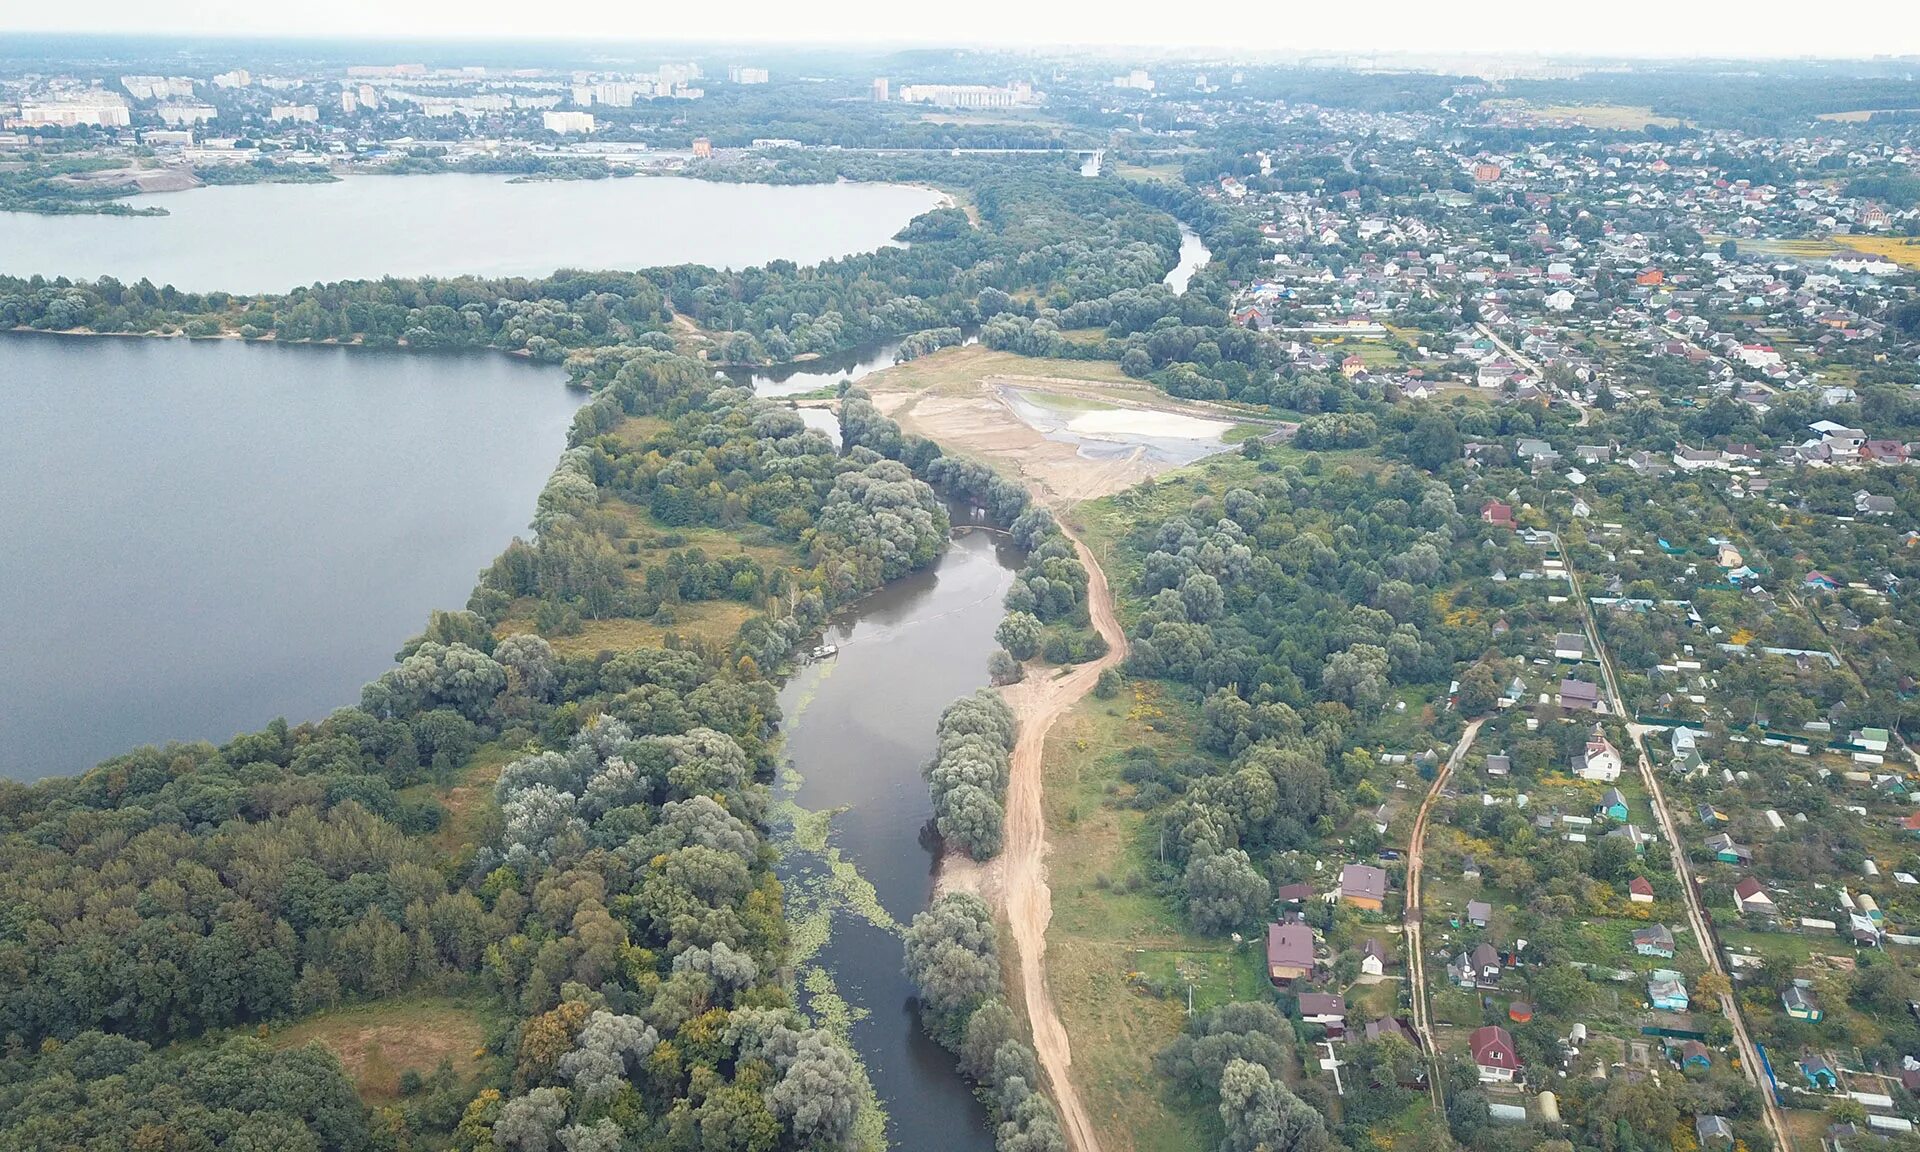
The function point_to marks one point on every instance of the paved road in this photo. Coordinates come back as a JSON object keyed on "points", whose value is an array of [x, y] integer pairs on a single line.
{"points": [[1689, 887], [1416, 949], [1512, 352]]}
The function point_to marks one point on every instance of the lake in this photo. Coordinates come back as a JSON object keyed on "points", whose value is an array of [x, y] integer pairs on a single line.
{"points": [[198, 537], [858, 727], [245, 238]]}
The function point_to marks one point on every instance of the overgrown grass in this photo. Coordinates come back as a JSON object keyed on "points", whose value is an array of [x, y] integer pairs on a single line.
{"points": [[1119, 957], [378, 1042]]}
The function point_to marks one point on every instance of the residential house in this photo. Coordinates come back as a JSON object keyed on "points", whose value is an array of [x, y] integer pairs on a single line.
{"points": [[1298, 893], [1580, 695], [1373, 958], [1667, 990], [1390, 1026], [1640, 890], [1570, 646], [1479, 967], [1289, 952], [1497, 514], [1867, 504], [1819, 1073], [1751, 899], [1601, 761], [1871, 739], [1884, 452], [1527, 448], [1817, 580], [1325, 1009], [1801, 1004], [1654, 940], [1713, 1132], [1693, 459], [1499, 764], [1613, 805], [1363, 886], [1479, 912], [1726, 851], [1632, 834], [1493, 1054], [1694, 1057]]}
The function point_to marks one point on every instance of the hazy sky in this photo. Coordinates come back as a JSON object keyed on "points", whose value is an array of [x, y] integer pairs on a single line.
{"points": [[1718, 28]]}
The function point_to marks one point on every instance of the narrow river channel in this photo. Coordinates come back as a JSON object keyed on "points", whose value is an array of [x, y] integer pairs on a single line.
{"points": [[859, 726]]}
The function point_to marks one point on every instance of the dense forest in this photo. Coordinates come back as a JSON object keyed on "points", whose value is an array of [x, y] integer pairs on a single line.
{"points": [[169, 910]]}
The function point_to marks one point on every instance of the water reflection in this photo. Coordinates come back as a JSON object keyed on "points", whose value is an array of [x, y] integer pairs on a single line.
{"points": [[859, 727], [800, 377]]}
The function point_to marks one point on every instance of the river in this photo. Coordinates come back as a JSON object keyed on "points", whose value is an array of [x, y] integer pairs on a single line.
{"points": [[1194, 255], [858, 727], [245, 238], [799, 377], [199, 537]]}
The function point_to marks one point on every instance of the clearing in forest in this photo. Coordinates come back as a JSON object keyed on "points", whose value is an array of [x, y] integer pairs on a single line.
{"points": [[378, 1042]]}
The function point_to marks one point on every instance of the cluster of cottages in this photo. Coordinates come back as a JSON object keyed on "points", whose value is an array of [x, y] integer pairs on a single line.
{"points": [[1297, 954], [1832, 445]]}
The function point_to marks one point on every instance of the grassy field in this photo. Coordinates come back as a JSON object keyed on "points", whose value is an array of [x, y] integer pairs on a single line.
{"points": [[378, 1042], [964, 367], [1167, 170], [711, 621], [1899, 249], [1606, 117], [1858, 115], [1805, 248], [1120, 962], [468, 799]]}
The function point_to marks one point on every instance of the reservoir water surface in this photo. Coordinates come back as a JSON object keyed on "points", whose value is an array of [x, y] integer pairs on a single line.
{"points": [[198, 537], [276, 237]]}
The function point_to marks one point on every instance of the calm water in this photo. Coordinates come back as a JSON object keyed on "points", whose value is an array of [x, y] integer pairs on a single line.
{"points": [[859, 727], [242, 239], [196, 538], [799, 377], [1194, 255]]}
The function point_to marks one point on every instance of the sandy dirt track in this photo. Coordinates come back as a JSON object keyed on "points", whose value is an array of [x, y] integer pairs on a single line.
{"points": [[1037, 702]]}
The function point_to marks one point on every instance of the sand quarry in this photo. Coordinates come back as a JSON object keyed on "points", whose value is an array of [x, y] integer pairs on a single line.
{"points": [[1073, 430]]}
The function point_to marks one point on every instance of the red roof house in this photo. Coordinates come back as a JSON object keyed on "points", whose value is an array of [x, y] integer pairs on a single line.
{"points": [[1493, 1053]]}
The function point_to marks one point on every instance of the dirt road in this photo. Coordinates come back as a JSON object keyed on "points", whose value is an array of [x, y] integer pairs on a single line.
{"points": [[1416, 948], [1037, 702], [1689, 886]]}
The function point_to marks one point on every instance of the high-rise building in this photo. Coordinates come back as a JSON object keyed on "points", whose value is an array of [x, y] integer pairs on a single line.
{"points": [[566, 123], [967, 95], [98, 109], [304, 113], [739, 75], [880, 89], [238, 78], [702, 148]]}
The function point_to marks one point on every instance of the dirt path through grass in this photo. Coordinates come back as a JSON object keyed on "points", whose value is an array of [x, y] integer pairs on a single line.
{"points": [[1037, 703]]}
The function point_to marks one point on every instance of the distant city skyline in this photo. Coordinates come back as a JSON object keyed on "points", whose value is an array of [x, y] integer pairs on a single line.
{"points": [[1636, 28]]}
